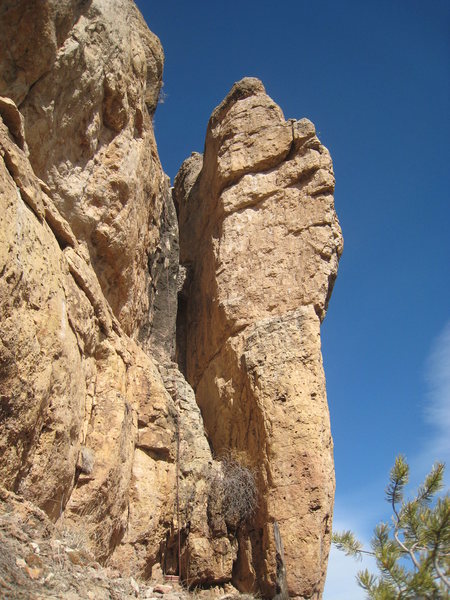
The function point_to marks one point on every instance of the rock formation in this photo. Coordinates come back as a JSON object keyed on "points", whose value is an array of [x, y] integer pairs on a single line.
{"points": [[87, 227], [86, 76], [261, 241], [99, 426]]}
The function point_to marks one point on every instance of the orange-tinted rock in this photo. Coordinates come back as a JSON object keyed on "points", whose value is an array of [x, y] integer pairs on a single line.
{"points": [[87, 77], [71, 381], [97, 424], [261, 240]]}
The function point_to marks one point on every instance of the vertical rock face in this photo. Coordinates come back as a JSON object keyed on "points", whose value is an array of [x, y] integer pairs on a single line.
{"points": [[86, 75], [89, 261], [86, 424], [98, 425], [89, 419], [261, 242]]}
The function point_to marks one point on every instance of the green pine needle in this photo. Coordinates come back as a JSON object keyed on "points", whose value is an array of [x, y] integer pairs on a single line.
{"points": [[412, 555]]}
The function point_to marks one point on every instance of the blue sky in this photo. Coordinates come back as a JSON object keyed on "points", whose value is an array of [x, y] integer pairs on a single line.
{"points": [[374, 78]]}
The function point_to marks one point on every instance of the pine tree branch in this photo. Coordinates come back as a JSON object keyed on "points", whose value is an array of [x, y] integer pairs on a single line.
{"points": [[406, 549], [346, 541], [419, 532], [393, 501], [396, 485], [432, 484], [441, 574]]}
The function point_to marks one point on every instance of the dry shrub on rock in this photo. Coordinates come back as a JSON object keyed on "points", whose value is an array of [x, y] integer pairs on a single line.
{"points": [[232, 491]]}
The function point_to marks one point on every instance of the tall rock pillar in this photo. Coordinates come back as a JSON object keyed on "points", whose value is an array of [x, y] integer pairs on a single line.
{"points": [[261, 242]]}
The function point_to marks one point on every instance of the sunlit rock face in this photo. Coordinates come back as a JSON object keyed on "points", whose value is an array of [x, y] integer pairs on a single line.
{"points": [[261, 242], [99, 426], [71, 382], [86, 75], [91, 404]]}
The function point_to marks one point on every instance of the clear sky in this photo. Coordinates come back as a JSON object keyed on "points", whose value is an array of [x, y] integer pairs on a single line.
{"points": [[374, 77]]}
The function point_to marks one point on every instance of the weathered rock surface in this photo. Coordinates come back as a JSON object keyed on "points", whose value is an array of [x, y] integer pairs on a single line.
{"points": [[89, 253], [41, 561], [98, 426], [88, 422], [261, 242], [86, 76], [71, 382]]}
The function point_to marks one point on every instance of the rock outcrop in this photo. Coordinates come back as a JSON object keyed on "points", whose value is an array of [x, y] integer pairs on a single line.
{"points": [[89, 261], [104, 387], [261, 242], [72, 383], [86, 76]]}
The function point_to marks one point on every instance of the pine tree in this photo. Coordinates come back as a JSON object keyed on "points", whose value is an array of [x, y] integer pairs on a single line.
{"points": [[413, 553]]}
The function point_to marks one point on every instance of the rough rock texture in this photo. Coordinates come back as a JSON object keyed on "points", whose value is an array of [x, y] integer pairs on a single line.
{"points": [[98, 426], [86, 75], [261, 241], [39, 561], [89, 254], [71, 381], [88, 422]]}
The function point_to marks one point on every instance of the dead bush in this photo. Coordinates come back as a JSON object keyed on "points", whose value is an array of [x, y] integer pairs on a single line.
{"points": [[232, 491]]}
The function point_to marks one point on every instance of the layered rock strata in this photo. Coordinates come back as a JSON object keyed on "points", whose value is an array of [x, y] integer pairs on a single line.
{"points": [[261, 242]]}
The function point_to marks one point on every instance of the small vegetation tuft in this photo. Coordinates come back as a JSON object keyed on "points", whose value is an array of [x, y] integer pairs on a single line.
{"points": [[232, 490]]}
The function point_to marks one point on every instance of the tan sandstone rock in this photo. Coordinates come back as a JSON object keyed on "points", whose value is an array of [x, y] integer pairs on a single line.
{"points": [[98, 425], [86, 76], [261, 242], [89, 253], [71, 381], [88, 429]]}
